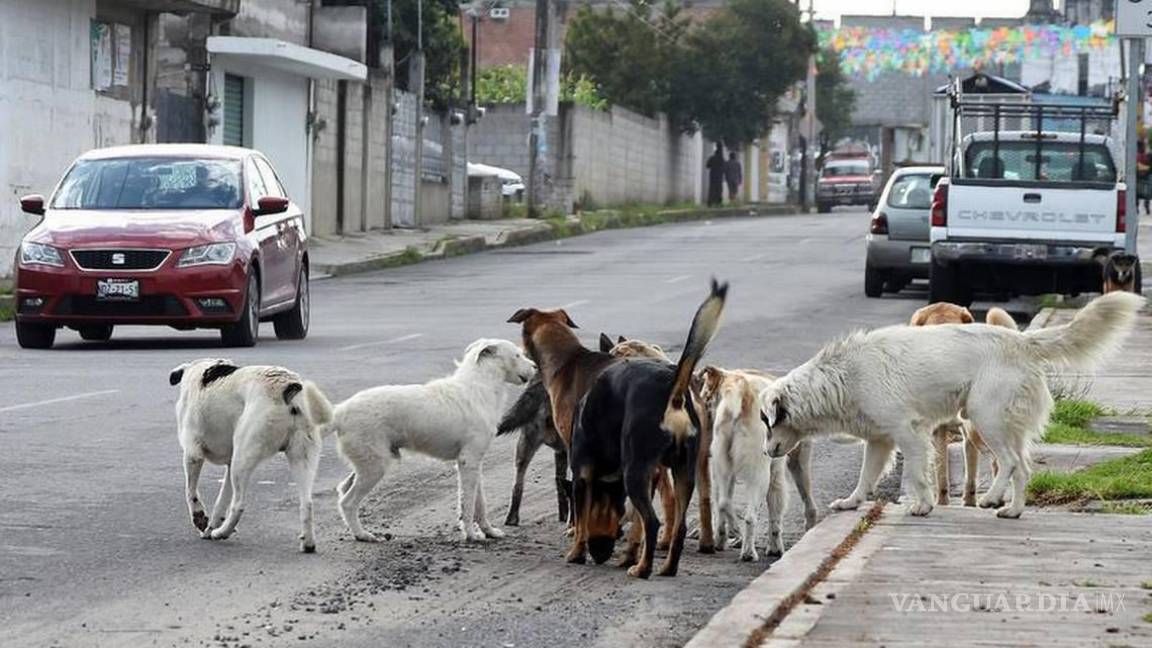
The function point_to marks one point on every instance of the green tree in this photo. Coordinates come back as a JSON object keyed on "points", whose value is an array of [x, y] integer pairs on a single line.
{"points": [[835, 99], [443, 44], [738, 63], [629, 53]]}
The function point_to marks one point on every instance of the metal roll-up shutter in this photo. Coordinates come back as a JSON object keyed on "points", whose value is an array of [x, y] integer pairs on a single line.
{"points": [[233, 110]]}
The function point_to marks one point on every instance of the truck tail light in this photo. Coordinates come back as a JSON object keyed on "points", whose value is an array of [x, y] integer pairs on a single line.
{"points": [[940, 206], [1121, 211], [879, 224]]}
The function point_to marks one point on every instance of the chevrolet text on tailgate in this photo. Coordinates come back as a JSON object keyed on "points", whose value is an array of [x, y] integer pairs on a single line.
{"points": [[1030, 210]]}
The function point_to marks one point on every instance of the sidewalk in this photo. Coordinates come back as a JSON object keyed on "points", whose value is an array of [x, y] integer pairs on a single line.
{"points": [[385, 249]]}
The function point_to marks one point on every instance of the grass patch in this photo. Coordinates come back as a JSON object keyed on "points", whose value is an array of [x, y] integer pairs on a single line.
{"points": [[1125, 508], [1118, 479], [1057, 301], [7, 303], [1147, 617], [1076, 413], [1060, 433], [1146, 585]]}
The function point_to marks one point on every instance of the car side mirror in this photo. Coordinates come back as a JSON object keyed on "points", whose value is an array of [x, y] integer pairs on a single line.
{"points": [[270, 205], [33, 204]]}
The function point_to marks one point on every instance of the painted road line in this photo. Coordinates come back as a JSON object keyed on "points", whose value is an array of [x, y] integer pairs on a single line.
{"points": [[578, 302], [677, 279], [402, 338], [756, 257], [62, 399]]}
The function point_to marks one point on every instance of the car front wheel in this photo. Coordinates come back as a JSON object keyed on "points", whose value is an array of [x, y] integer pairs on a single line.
{"points": [[35, 336], [245, 331], [293, 324]]}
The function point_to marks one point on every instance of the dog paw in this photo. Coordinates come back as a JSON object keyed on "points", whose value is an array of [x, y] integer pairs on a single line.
{"points": [[576, 558], [920, 509], [845, 504], [512, 521], [493, 532], [365, 536], [635, 571], [969, 500], [308, 548], [627, 560], [220, 534], [1008, 512], [990, 502], [749, 556], [200, 520], [667, 571], [706, 548]]}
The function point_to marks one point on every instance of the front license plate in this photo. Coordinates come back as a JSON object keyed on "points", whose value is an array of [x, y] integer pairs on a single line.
{"points": [[921, 255], [118, 289]]}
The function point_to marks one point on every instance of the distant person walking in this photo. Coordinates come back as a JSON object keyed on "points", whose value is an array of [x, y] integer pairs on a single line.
{"points": [[734, 176], [716, 171], [1143, 175]]}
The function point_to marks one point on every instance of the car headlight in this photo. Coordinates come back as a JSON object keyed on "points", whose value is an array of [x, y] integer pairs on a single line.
{"points": [[31, 253], [211, 254]]}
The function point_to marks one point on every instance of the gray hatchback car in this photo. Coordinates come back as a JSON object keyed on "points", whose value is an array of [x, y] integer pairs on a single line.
{"points": [[898, 246]]}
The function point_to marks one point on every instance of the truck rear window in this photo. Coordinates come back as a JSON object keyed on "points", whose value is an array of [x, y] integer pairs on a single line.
{"points": [[1058, 162]]}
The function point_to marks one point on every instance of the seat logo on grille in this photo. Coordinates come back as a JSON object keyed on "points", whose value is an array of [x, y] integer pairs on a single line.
{"points": [[117, 258]]}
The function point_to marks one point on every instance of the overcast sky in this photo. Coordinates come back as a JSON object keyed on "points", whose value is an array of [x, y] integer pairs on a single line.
{"points": [[991, 8]]}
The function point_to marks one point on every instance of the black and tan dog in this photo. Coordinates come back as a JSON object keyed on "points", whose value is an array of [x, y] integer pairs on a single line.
{"points": [[638, 415], [532, 415], [1120, 272]]}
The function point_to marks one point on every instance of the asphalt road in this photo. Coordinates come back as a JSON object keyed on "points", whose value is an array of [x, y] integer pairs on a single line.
{"points": [[96, 548]]}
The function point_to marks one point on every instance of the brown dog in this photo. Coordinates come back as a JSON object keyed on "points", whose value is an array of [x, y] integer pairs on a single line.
{"points": [[946, 313]]}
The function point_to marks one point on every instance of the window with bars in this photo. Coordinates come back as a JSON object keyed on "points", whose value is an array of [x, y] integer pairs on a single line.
{"points": [[234, 110]]}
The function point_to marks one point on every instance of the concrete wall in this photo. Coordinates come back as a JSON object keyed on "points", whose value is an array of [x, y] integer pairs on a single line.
{"points": [[286, 20], [600, 158], [49, 112]]}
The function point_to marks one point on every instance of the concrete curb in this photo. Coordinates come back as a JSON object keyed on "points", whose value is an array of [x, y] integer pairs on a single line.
{"points": [[538, 233], [733, 625]]}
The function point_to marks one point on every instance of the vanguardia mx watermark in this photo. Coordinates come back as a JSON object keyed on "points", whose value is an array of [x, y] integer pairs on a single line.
{"points": [[1103, 602]]}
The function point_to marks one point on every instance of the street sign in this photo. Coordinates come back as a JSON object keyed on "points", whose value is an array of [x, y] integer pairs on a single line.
{"points": [[1134, 18]]}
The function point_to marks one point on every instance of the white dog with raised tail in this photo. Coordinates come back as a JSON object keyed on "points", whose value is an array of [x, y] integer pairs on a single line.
{"points": [[893, 386], [452, 418]]}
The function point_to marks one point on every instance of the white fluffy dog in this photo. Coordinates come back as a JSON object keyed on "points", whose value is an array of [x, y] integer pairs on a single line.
{"points": [[894, 385], [240, 416], [452, 418]]}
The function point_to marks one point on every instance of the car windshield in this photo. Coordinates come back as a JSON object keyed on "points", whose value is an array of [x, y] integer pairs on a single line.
{"points": [[837, 169], [912, 191], [1058, 162], [151, 183]]}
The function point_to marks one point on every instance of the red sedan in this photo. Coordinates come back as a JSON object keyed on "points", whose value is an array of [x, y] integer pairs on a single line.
{"points": [[187, 236]]}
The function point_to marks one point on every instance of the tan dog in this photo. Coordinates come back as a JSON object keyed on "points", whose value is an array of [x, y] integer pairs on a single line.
{"points": [[737, 453], [946, 313]]}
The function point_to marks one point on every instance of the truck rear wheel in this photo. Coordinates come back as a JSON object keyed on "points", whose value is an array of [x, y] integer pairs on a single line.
{"points": [[945, 285]]}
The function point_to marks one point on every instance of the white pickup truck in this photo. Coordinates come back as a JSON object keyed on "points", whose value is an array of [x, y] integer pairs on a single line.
{"points": [[1025, 213]]}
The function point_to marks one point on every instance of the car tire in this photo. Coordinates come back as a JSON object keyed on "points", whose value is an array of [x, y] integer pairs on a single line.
{"points": [[96, 332], [873, 282], [35, 336], [293, 324], [944, 285], [245, 331]]}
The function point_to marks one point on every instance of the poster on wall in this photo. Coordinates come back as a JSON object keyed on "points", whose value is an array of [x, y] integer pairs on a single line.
{"points": [[123, 54], [101, 47]]}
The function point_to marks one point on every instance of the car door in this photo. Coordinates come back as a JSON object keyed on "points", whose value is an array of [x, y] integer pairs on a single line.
{"points": [[267, 230], [291, 232]]}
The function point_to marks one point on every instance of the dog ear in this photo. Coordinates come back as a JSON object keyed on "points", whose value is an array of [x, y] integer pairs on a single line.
{"points": [[966, 316], [773, 413], [486, 352], [1102, 256], [919, 317], [567, 320], [176, 376], [521, 315], [605, 343], [620, 339]]}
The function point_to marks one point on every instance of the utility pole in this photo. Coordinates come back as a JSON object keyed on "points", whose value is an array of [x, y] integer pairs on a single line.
{"points": [[388, 68], [1134, 24], [537, 139], [416, 78]]}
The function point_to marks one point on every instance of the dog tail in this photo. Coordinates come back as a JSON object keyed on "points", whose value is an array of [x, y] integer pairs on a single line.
{"points": [[525, 409], [1000, 317], [1097, 329], [704, 325], [317, 408]]}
